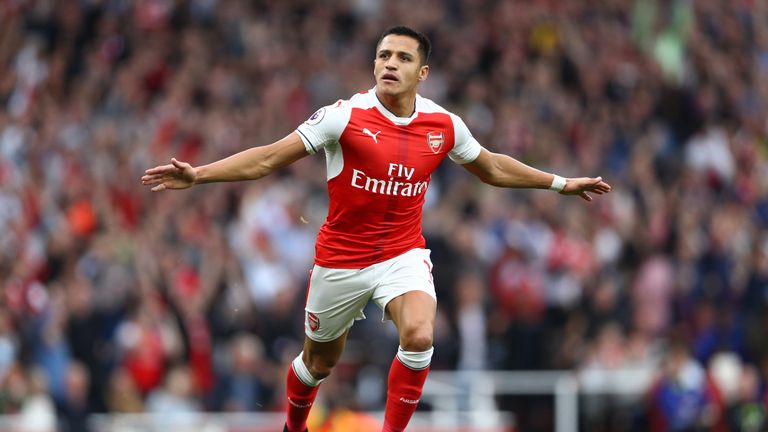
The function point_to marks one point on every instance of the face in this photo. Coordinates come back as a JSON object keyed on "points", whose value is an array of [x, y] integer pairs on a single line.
{"points": [[398, 67]]}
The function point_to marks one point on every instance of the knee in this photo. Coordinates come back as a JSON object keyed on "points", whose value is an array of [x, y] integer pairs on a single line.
{"points": [[319, 366], [416, 338]]}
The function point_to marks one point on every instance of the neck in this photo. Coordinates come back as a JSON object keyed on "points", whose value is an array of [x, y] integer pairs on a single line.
{"points": [[402, 105]]}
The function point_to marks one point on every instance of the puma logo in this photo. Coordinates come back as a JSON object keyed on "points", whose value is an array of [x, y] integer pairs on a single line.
{"points": [[371, 134]]}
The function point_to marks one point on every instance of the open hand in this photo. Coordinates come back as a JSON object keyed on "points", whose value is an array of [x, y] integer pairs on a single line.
{"points": [[580, 186], [176, 175]]}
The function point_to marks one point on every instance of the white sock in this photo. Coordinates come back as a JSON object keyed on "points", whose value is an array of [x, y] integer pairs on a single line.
{"points": [[301, 371], [414, 359]]}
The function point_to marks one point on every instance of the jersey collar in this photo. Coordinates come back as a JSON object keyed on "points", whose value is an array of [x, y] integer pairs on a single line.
{"points": [[401, 121]]}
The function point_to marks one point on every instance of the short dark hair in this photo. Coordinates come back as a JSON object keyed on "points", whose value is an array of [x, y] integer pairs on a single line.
{"points": [[425, 46]]}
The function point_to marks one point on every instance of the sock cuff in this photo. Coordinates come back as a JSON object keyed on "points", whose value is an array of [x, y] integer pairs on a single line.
{"points": [[302, 373], [416, 360]]}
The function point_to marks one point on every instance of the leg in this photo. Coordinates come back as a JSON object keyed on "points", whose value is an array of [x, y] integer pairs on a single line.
{"points": [[304, 377], [414, 316], [321, 357], [335, 298]]}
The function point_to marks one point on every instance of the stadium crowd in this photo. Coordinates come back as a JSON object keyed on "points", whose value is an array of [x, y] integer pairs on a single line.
{"points": [[115, 299]]}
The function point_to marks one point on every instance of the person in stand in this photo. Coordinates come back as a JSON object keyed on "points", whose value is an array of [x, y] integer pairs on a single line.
{"points": [[381, 146]]}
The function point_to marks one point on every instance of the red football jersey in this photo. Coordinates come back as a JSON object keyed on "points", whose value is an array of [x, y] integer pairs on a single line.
{"points": [[379, 166]]}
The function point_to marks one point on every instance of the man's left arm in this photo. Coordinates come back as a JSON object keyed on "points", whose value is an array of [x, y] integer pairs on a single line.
{"points": [[504, 171]]}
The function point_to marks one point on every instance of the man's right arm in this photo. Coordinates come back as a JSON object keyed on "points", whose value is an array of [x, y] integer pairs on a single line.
{"points": [[250, 164]]}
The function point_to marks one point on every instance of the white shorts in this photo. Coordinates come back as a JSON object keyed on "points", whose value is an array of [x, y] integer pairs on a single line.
{"points": [[337, 297]]}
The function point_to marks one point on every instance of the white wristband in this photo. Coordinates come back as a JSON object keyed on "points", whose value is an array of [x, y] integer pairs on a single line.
{"points": [[558, 183]]}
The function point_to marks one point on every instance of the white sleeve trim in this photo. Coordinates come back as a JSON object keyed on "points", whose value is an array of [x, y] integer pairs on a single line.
{"points": [[324, 127], [465, 147], [311, 149]]}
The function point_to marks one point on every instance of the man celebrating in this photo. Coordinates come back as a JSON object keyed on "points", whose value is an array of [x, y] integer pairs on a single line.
{"points": [[381, 147]]}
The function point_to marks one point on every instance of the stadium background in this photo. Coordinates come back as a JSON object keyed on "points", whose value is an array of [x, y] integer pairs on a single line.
{"points": [[114, 299]]}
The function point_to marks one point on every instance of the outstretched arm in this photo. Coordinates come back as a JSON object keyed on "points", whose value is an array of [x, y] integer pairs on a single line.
{"points": [[504, 171], [251, 164]]}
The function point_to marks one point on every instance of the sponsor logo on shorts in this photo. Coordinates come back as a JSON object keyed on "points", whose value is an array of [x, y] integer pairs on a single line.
{"points": [[313, 321], [408, 401]]}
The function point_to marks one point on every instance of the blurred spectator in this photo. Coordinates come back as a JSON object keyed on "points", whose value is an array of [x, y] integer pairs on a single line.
{"points": [[38, 412], [49, 345], [8, 343], [176, 396], [122, 394], [149, 340], [748, 412], [174, 404], [471, 321], [685, 398], [74, 408], [245, 382]]}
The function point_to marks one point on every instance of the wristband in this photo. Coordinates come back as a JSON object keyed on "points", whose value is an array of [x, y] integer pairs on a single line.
{"points": [[558, 183]]}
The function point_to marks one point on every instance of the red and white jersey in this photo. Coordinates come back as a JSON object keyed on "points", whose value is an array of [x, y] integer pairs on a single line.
{"points": [[379, 166]]}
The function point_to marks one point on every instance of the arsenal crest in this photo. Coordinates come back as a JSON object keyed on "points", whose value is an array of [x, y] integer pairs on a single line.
{"points": [[313, 321], [435, 141]]}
